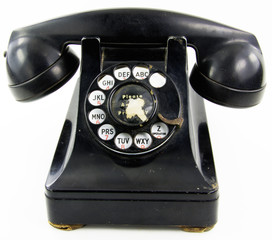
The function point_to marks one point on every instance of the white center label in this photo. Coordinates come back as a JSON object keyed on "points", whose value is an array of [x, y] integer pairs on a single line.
{"points": [[97, 98], [159, 130], [140, 72], [106, 82], [122, 73], [123, 141], [143, 140], [97, 116], [106, 132]]}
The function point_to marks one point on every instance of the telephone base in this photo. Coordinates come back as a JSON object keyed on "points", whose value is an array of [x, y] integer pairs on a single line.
{"points": [[174, 184]]}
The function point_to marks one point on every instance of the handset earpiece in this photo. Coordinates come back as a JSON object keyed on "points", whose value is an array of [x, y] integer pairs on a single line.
{"points": [[37, 68], [230, 75]]}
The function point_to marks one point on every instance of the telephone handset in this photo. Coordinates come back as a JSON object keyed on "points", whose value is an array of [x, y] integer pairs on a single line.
{"points": [[135, 146], [229, 68]]}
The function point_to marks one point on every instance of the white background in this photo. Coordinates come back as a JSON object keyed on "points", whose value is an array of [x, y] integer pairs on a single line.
{"points": [[241, 138]]}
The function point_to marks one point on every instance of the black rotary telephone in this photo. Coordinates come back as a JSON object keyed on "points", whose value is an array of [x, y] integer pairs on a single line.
{"points": [[135, 146]]}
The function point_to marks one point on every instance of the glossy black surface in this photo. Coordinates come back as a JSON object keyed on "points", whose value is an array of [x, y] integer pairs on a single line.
{"points": [[226, 56], [47, 81], [174, 185]]}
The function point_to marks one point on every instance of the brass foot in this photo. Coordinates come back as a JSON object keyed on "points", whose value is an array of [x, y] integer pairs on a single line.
{"points": [[196, 229], [66, 227]]}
